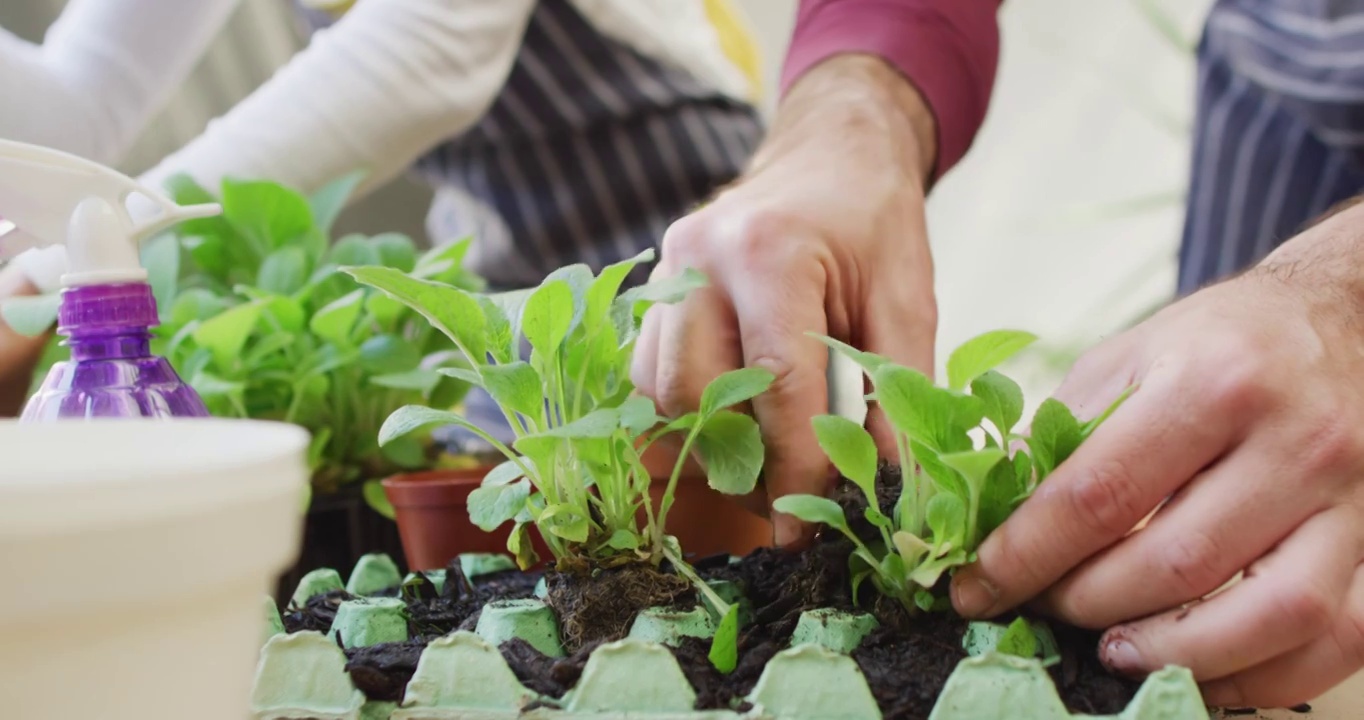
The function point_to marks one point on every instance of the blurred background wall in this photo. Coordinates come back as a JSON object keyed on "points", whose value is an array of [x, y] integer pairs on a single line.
{"points": [[1063, 220]]}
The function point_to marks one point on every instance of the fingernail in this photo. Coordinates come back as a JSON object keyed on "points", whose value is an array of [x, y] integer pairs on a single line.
{"points": [[1122, 657], [973, 596]]}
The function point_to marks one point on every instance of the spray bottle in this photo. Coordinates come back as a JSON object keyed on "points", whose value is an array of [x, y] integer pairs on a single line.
{"points": [[107, 309]]}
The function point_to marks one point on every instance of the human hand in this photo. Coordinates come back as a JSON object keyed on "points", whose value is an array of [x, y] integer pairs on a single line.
{"points": [[824, 234], [1249, 416]]}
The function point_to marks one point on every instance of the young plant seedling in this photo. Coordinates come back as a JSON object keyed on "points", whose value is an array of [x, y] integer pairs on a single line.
{"points": [[575, 469], [960, 479]]}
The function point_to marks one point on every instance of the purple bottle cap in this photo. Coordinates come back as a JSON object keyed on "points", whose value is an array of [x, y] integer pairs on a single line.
{"points": [[100, 307]]}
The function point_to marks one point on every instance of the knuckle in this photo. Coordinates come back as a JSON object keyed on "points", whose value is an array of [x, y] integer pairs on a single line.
{"points": [[675, 393], [1106, 498], [1241, 382], [1305, 607], [1333, 443], [682, 240], [1192, 562]]}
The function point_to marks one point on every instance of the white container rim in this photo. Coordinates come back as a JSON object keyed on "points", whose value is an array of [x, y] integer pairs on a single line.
{"points": [[75, 475]]}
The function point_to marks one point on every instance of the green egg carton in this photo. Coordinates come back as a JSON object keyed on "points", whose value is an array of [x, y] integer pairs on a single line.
{"points": [[463, 676]]}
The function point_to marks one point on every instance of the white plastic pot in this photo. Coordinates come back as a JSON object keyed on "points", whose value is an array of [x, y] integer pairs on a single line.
{"points": [[133, 559]]}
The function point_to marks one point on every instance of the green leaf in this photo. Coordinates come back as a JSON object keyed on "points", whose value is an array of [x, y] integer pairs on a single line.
{"points": [[196, 304], [407, 452], [519, 545], [724, 647], [944, 477], [927, 574], [387, 354], [507, 471], [354, 249], [161, 259], [731, 449], [285, 312], [450, 310], [225, 334], [515, 387], [982, 353], [384, 309], [1094, 424], [209, 385], [31, 315], [492, 505], [812, 509], [623, 540], [284, 271], [599, 423], [667, 290], [936, 417], [423, 381], [974, 465], [1003, 400], [410, 418], [910, 547], [395, 250], [502, 336], [579, 279], [637, 415], [270, 215], [607, 285], [327, 203], [1018, 640], [869, 362], [851, 449], [1055, 435], [923, 599], [547, 316], [947, 520], [377, 500], [334, 322], [564, 521], [734, 387], [1003, 491]]}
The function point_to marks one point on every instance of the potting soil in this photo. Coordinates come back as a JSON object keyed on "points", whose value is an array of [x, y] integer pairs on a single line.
{"points": [[906, 661]]}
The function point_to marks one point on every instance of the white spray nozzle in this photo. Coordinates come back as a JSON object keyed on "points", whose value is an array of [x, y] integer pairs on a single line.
{"points": [[55, 198]]}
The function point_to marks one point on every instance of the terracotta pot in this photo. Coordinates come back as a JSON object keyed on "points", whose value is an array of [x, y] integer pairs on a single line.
{"points": [[708, 522], [433, 518]]}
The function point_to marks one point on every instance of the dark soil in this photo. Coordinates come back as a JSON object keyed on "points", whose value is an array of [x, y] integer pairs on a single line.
{"points": [[600, 607], [906, 661]]}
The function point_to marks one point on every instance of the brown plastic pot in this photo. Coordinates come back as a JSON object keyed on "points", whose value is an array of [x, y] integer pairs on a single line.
{"points": [[433, 518]]}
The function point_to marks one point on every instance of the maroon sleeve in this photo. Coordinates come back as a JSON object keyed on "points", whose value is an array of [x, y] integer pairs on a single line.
{"points": [[949, 49]]}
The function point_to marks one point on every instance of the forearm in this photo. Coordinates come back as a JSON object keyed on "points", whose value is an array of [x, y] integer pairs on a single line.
{"points": [[19, 354], [391, 80], [860, 105], [104, 69], [947, 50]]}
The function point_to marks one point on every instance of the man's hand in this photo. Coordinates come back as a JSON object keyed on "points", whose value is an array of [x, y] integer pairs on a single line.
{"points": [[1249, 417], [824, 234]]}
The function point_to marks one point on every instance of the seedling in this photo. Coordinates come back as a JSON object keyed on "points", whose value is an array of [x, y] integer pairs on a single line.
{"points": [[575, 468], [960, 477]]}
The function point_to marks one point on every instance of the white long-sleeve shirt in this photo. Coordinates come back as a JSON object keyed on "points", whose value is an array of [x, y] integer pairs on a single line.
{"points": [[391, 80], [105, 68]]}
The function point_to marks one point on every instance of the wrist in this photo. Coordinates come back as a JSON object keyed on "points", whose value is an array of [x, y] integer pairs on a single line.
{"points": [[855, 105], [1328, 256]]}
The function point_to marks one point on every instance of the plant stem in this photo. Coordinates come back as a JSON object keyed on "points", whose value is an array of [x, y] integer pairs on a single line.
{"points": [[686, 571], [666, 503]]}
